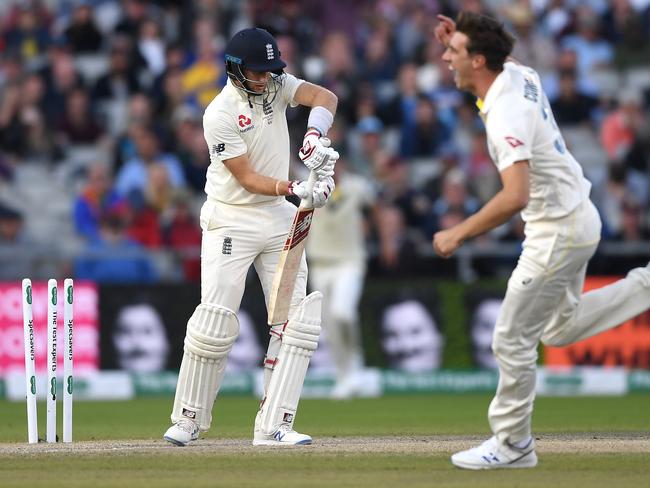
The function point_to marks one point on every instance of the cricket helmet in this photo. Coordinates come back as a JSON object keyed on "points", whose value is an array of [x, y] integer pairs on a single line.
{"points": [[257, 50]]}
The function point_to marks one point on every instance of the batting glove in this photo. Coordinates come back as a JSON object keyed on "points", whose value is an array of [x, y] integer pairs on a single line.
{"points": [[315, 153], [323, 189], [327, 169], [298, 188]]}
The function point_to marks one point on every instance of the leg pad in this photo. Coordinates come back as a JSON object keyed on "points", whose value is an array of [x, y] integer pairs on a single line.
{"points": [[299, 341], [211, 332]]}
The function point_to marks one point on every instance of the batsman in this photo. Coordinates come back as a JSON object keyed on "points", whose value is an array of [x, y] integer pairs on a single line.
{"points": [[245, 220]]}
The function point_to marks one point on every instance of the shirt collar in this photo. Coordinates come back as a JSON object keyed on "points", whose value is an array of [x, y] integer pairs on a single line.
{"points": [[493, 92], [234, 91]]}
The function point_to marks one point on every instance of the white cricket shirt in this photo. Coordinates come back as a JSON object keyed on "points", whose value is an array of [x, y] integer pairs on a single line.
{"points": [[520, 126], [232, 127], [337, 229]]}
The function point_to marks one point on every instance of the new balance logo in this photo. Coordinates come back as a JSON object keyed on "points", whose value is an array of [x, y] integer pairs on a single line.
{"points": [[288, 417], [227, 246], [218, 148], [189, 414], [269, 52], [279, 435], [304, 225], [491, 458]]}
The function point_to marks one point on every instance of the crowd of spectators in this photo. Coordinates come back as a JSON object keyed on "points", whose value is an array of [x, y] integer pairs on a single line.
{"points": [[124, 83]]}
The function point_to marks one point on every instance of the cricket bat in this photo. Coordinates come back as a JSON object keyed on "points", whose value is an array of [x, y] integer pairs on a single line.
{"points": [[286, 271]]}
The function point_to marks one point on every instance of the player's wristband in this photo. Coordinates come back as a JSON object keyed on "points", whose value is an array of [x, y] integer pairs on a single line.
{"points": [[277, 188], [320, 119]]}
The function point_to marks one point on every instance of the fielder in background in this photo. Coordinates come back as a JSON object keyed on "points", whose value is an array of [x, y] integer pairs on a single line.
{"points": [[543, 181], [337, 266], [245, 220]]}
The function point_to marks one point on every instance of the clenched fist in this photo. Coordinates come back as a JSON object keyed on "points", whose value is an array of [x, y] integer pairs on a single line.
{"points": [[445, 242], [316, 154], [323, 189], [320, 193]]}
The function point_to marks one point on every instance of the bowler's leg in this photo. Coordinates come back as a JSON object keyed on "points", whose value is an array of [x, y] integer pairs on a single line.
{"points": [[531, 298], [596, 311], [535, 294], [530, 301]]}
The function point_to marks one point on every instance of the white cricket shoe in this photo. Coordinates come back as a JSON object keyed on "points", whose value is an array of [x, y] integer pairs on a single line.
{"points": [[491, 455], [284, 436], [182, 432]]}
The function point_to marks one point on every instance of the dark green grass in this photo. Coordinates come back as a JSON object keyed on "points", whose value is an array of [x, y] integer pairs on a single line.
{"points": [[301, 468], [393, 415], [389, 416]]}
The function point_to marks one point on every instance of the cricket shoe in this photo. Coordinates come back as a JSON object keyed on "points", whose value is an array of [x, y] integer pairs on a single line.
{"points": [[491, 455], [284, 436], [182, 432]]}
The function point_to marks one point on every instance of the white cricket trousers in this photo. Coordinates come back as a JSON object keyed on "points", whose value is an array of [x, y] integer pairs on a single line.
{"points": [[236, 236], [544, 301], [341, 284]]}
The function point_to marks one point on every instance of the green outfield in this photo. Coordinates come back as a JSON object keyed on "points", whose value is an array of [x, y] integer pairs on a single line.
{"points": [[390, 441]]}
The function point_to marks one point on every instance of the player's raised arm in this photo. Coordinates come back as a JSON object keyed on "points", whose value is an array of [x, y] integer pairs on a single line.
{"points": [[314, 96], [315, 152]]}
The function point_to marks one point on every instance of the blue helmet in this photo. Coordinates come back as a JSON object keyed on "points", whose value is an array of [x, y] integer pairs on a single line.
{"points": [[257, 50]]}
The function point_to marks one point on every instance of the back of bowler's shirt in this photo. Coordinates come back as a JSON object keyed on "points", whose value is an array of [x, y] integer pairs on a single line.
{"points": [[232, 127]]}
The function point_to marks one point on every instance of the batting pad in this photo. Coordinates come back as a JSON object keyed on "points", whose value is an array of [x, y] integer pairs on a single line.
{"points": [[299, 341], [211, 332]]}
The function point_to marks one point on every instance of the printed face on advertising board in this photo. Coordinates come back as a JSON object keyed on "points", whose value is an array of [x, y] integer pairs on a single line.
{"points": [[411, 339]]}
